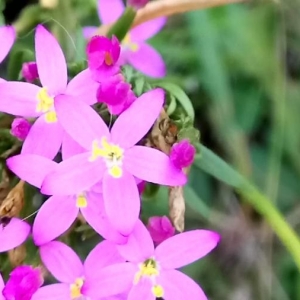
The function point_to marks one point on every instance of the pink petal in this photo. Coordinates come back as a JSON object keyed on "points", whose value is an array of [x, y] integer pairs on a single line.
{"points": [[132, 125], [70, 148], [122, 201], [83, 87], [146, 30], [142, 290], [43, 139], [89, 31], [19, 98], [25, 167], [153, 166], [57, 291], [178, 286], [13, 234], [51, 62], [96, 216], [73, 176], [80, 121], [185, 248], [110, 10], [54, 217], [61, 261], [7, 38], [139, 246], [148, 61], [112, 280], [103, 255]]}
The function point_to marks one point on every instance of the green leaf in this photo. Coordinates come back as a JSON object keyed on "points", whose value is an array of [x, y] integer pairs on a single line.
{"points": [[180, 95]]}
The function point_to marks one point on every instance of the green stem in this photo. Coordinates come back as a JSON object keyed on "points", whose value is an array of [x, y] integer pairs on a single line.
{"points": [[275, 219]]}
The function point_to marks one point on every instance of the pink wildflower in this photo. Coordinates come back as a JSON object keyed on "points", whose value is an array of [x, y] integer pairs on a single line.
{"points": [[103, 54], [29, 100], [59, 212], [7, 38], [13, 232], [113, 158], [182, 154], [135, 50], [116, 93], [29, 71], [23, 282], [152, 272], [20, 128], [137, 4], [75, 279], [160, 228]]}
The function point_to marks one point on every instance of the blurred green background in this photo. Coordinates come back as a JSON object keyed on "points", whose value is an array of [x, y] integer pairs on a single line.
{"points": [[240, 66]]}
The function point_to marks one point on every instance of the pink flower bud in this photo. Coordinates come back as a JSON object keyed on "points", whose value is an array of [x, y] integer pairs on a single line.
{"points": [[20, 128], [23, 282], [30, 71], [160, 228], [141, 186], [182, 154], [116, 93], [137, 3], [103, 54]]}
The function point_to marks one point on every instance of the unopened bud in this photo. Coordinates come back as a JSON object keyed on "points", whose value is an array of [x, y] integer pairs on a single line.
{"points": [[20, 128], [160, 229], [30, 71], [182, 154], [137, 4]]}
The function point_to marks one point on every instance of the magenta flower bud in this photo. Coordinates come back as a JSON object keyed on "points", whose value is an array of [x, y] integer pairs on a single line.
{"points": [[103, 54], [182, 154], [141, 186], [30, 71], [160, 228], [137, 3], [23, 282], [116, 93], [20, 128]]}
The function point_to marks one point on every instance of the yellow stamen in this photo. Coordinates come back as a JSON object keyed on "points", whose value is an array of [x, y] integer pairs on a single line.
{"points": [[127, 43], [75, 288], [147, 269], [158, 291], [112, 155], [81, 201], [108, 59], [51, 117], [45, 102]]}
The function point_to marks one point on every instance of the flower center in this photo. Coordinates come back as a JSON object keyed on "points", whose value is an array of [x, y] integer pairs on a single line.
{"points": [[149, 269], [46, 105], [75, 288], [108, 59], [112, 154], [128, 44], [81, 201]]}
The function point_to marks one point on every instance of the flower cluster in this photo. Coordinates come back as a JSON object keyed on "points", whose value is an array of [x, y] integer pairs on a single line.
{"points": [[95, 170]]}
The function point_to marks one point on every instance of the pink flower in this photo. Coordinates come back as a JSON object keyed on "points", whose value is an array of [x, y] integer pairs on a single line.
{"points": [[75, 279], [103, 54], [151, 273], [7, 38], [137, 4], [182, 154], [160, 229], [29, 71], [116, 93], [59, 212], [23, 282], [113, 158], [28, 100], [135, 50], [20, 128], [13, 232]]}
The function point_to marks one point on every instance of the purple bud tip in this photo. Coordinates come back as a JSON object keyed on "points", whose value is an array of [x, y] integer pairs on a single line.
{"points": [[103, 54], [182, 154], [30, 71], [116, 93], [137, 4], [20, 128], [23, 282], [160, 229]]}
